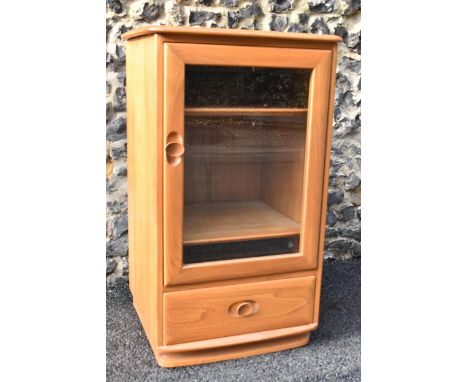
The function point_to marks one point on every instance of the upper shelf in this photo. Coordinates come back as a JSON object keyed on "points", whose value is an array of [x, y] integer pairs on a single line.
{"points": [[228, 111], [218, 32]]}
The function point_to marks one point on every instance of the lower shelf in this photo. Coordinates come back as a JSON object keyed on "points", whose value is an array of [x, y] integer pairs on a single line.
{"points": [[206, 223]]}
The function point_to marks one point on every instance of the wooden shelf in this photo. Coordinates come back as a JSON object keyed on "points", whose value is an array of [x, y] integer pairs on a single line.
{"points": [[229, 111], [206, 223]]}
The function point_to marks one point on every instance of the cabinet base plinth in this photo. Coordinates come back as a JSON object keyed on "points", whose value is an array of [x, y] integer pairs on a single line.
{"points": [[176, 359]]}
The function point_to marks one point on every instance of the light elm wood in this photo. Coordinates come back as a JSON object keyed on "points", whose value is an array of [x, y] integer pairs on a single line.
{"points": [[235, 37], [247, 349], [238, 339], [176, 57], [196, 315], [282, 182], [265, 57], [220, 33], [240, 280], [144, 146], [206, 312], [326, 171], [235, 221], [243, 111]]}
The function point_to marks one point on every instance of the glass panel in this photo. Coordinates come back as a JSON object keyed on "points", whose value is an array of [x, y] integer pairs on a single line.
{"points": [[240, 249], [208, 86], [243, 168]]}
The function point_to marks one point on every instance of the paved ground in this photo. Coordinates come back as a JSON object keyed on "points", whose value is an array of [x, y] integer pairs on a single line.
{"points": [[334, 353]]}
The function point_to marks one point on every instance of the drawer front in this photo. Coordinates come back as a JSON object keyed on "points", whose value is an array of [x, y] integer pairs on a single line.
{"points": [[202, 314]]}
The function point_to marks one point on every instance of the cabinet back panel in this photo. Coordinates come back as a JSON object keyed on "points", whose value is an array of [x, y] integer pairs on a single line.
{"points": [[228, 157]]}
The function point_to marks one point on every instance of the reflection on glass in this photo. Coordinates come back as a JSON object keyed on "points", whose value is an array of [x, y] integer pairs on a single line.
{"points": [[211, 86], [243, 169]]}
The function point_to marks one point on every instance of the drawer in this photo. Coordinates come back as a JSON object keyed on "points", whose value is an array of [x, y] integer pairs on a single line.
{"points": [[202, 314]]}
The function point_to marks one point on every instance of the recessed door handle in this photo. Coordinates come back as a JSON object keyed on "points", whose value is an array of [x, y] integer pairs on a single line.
{"points": [[243, 309], [174, 148]]}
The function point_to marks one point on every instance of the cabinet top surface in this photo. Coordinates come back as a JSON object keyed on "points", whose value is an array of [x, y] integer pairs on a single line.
{"points": [[218, 32]]}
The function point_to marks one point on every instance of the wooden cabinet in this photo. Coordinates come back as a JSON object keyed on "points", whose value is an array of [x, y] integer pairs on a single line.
{"points": [[228, 152]]}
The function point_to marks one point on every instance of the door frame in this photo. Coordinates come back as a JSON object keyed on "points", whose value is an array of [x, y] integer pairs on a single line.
{"points": [[176, 56]]}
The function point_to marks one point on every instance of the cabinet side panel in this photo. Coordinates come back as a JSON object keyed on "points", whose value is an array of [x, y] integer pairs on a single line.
{"points": [[144, 181], [331, 104]]}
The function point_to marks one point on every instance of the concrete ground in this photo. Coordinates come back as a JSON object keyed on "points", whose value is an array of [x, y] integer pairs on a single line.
{"points": [[334, 353]]}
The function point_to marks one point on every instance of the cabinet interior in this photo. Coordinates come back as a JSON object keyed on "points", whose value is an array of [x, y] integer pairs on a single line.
{"points": [[243, 176], [245, 135]]}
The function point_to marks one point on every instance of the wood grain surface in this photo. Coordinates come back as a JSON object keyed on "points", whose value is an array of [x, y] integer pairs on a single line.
{"points": [[203, 314], [233, 221]]}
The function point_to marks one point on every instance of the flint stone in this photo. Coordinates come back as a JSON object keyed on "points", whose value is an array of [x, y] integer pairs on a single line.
{"points": [[281, 5], [322, 6], [151, 12], [303, 18], [120, 53], [115, 6], [119, 226], [201, 17], [351, 7], [230, 3], [120, 99], [110, 266], [278, 23], [353, 40], [343, 84], [235, 17], [350, 64], [347, 212], [117, 247], [124, 266], [253, 9], [331, 218], [340, 245], [341, 31], [123, 29], [118, 149], [108, 111], [117, 206], [356, 249], [345, 126], [353, 182], [115, 184], [331, 232], [176, 15], [121, 77], [335, 196], [353, 232], [120, 170], [116, 130], [297, 28], [345, 100], [319, 27]]}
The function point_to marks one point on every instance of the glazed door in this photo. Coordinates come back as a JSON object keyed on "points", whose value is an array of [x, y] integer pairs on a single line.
{"points": [[245, 136]]}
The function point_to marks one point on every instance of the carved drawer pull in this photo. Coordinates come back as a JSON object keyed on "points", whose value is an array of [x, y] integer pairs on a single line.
{"points": [[174, 148], [243, 309]]}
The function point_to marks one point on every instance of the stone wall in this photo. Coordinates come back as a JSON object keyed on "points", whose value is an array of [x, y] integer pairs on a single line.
{"points": [[340, 17]]}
